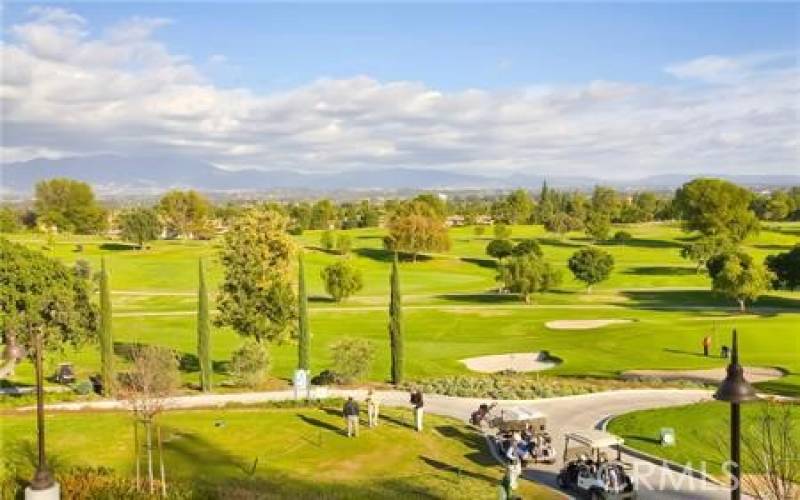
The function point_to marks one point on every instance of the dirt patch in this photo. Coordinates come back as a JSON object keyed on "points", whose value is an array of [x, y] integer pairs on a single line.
{"points": [[516, 361], [711, 376], [583, 324]]}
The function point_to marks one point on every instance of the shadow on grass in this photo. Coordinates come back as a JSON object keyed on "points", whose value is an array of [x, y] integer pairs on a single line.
{"points": [[321, 424], [487, 263], [661, 271], [656, 300], [457, 471], [323, 299], [472, 440], [189, 362], [643, 243], [631, 439], [318, 248], [684, 352], [565, 243], [780, 248], [118, 246], [780, 386], [383, 255], [482, 298], [194, 449]]}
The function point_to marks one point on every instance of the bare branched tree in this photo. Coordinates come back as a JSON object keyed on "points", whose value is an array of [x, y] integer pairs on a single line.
{"points": [[154, 377], [772, 452]]}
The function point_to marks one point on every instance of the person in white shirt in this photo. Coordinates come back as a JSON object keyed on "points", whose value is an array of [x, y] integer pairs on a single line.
{"points": [[373, 409]]}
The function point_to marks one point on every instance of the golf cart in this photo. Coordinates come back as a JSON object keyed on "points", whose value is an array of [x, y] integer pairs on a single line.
{"points": [[588, 470], [525, 428]]}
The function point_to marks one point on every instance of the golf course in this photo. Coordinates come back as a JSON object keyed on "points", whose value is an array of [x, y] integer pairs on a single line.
{"points": [[650, 315]]}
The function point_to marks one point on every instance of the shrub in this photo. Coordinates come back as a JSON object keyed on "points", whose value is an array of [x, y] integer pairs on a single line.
{"points": [[622, 237], [352, 358], [342, 280], [327, 377], [328, 240], [250, 363], [84, 388]]}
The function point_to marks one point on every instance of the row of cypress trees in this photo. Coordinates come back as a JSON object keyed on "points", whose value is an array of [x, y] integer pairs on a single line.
{"points": [[204, 328]]}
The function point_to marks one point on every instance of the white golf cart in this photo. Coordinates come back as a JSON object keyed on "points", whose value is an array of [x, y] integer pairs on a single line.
{"points": [[589, 472], [525, 428]]}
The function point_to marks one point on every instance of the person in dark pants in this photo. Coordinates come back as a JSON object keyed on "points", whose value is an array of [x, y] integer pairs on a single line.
{"points": [[417, 404], [706, 345], [351, 412]]}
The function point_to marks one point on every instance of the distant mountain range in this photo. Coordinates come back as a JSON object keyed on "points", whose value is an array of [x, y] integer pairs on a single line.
{"points": [[114, 175]]}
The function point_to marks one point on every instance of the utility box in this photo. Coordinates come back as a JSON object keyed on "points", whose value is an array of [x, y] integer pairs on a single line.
{"points": [[667, 436]]}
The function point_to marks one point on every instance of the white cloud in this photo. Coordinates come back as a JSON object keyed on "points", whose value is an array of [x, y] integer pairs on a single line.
{"points": [[124, 92]]}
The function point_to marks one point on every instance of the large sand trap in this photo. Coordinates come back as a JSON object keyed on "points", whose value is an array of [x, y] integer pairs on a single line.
{"points": [[518, 362], [711, 376], [583, 324]]}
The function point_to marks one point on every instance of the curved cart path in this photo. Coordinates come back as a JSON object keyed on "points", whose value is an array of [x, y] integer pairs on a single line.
{"points": [[569, 413]]}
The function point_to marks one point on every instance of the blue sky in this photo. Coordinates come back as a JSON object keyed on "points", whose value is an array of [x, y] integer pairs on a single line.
{"points": [[450, 46], [628, 89]]}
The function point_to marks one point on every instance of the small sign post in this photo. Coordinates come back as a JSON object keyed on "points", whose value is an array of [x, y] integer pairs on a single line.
{"points": [[667, 436], [300, 383]]}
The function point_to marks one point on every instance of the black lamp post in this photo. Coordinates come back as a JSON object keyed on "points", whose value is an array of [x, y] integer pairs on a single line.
{"points": [[43, 479], [736, 390]]}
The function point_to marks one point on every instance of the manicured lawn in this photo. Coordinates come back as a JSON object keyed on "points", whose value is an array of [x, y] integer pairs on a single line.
{"points": [[289, 453], [701, 430], [449, 316]]}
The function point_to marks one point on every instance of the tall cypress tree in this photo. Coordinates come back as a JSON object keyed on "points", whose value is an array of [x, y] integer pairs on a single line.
{"points": [[106, 339], [203, 332], [396, 325], [302, 311]]}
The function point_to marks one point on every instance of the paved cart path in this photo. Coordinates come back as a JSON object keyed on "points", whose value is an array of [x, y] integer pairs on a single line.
{"points": [[565, 414]]}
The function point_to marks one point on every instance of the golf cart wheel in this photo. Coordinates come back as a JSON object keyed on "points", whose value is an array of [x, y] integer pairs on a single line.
{"points": [[561, 480], [596, 494]]}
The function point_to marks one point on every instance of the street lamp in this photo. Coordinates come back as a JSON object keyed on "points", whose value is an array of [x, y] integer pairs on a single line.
{"points": [[43, 486], [735, 390]]}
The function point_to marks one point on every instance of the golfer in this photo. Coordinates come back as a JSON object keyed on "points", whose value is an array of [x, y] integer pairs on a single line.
{"points": [[373, 409], [350, 412], [706, 345], [417, 405]]}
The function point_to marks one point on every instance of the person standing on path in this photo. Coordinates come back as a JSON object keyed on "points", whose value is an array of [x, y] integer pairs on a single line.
{"points": [[373, 409], [706, 345], [350, 412], [417, 404]]}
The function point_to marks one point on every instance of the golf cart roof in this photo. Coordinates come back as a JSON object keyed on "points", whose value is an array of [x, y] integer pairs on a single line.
{"points": [[594, 438], [519, 413]]}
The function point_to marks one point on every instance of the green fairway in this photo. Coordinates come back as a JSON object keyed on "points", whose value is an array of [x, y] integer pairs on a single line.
{"points": [[451, 312], [701, 431], [287, 453]]}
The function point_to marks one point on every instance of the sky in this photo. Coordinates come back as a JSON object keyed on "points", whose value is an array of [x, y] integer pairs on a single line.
{"points": [[619, 89]]}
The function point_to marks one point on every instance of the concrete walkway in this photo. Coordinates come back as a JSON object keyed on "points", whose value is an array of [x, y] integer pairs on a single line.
{"points": [[565, 414]]}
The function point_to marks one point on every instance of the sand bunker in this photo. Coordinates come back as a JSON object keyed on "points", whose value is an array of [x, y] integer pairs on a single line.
{"points": [[518, 362], [583, 324], [710, 376]]}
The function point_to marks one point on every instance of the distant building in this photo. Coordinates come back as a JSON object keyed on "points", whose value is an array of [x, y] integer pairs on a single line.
{"points": [[455, 220]]}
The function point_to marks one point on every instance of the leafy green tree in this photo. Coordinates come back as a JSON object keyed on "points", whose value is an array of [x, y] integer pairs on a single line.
{"points": [[342, 280], [344, 243], [327, 239], [716, 208], [256, 297], [516, 208], [185, 213], [352, 359], [323, 215], [106, 337], [396, 326], [527, 247], [605, 202], [591, 265], [69, 205], [741, 278], [303, 333], [416, 227], [9, 220], [203, 332], [527, 274], [41, 296], [785, 267], [499, 249], [704, 248], [435, 202], [479, 230], [502, 231], [250, 363], [561, 223], [139, 226], [598, 225], [622, 237]]}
